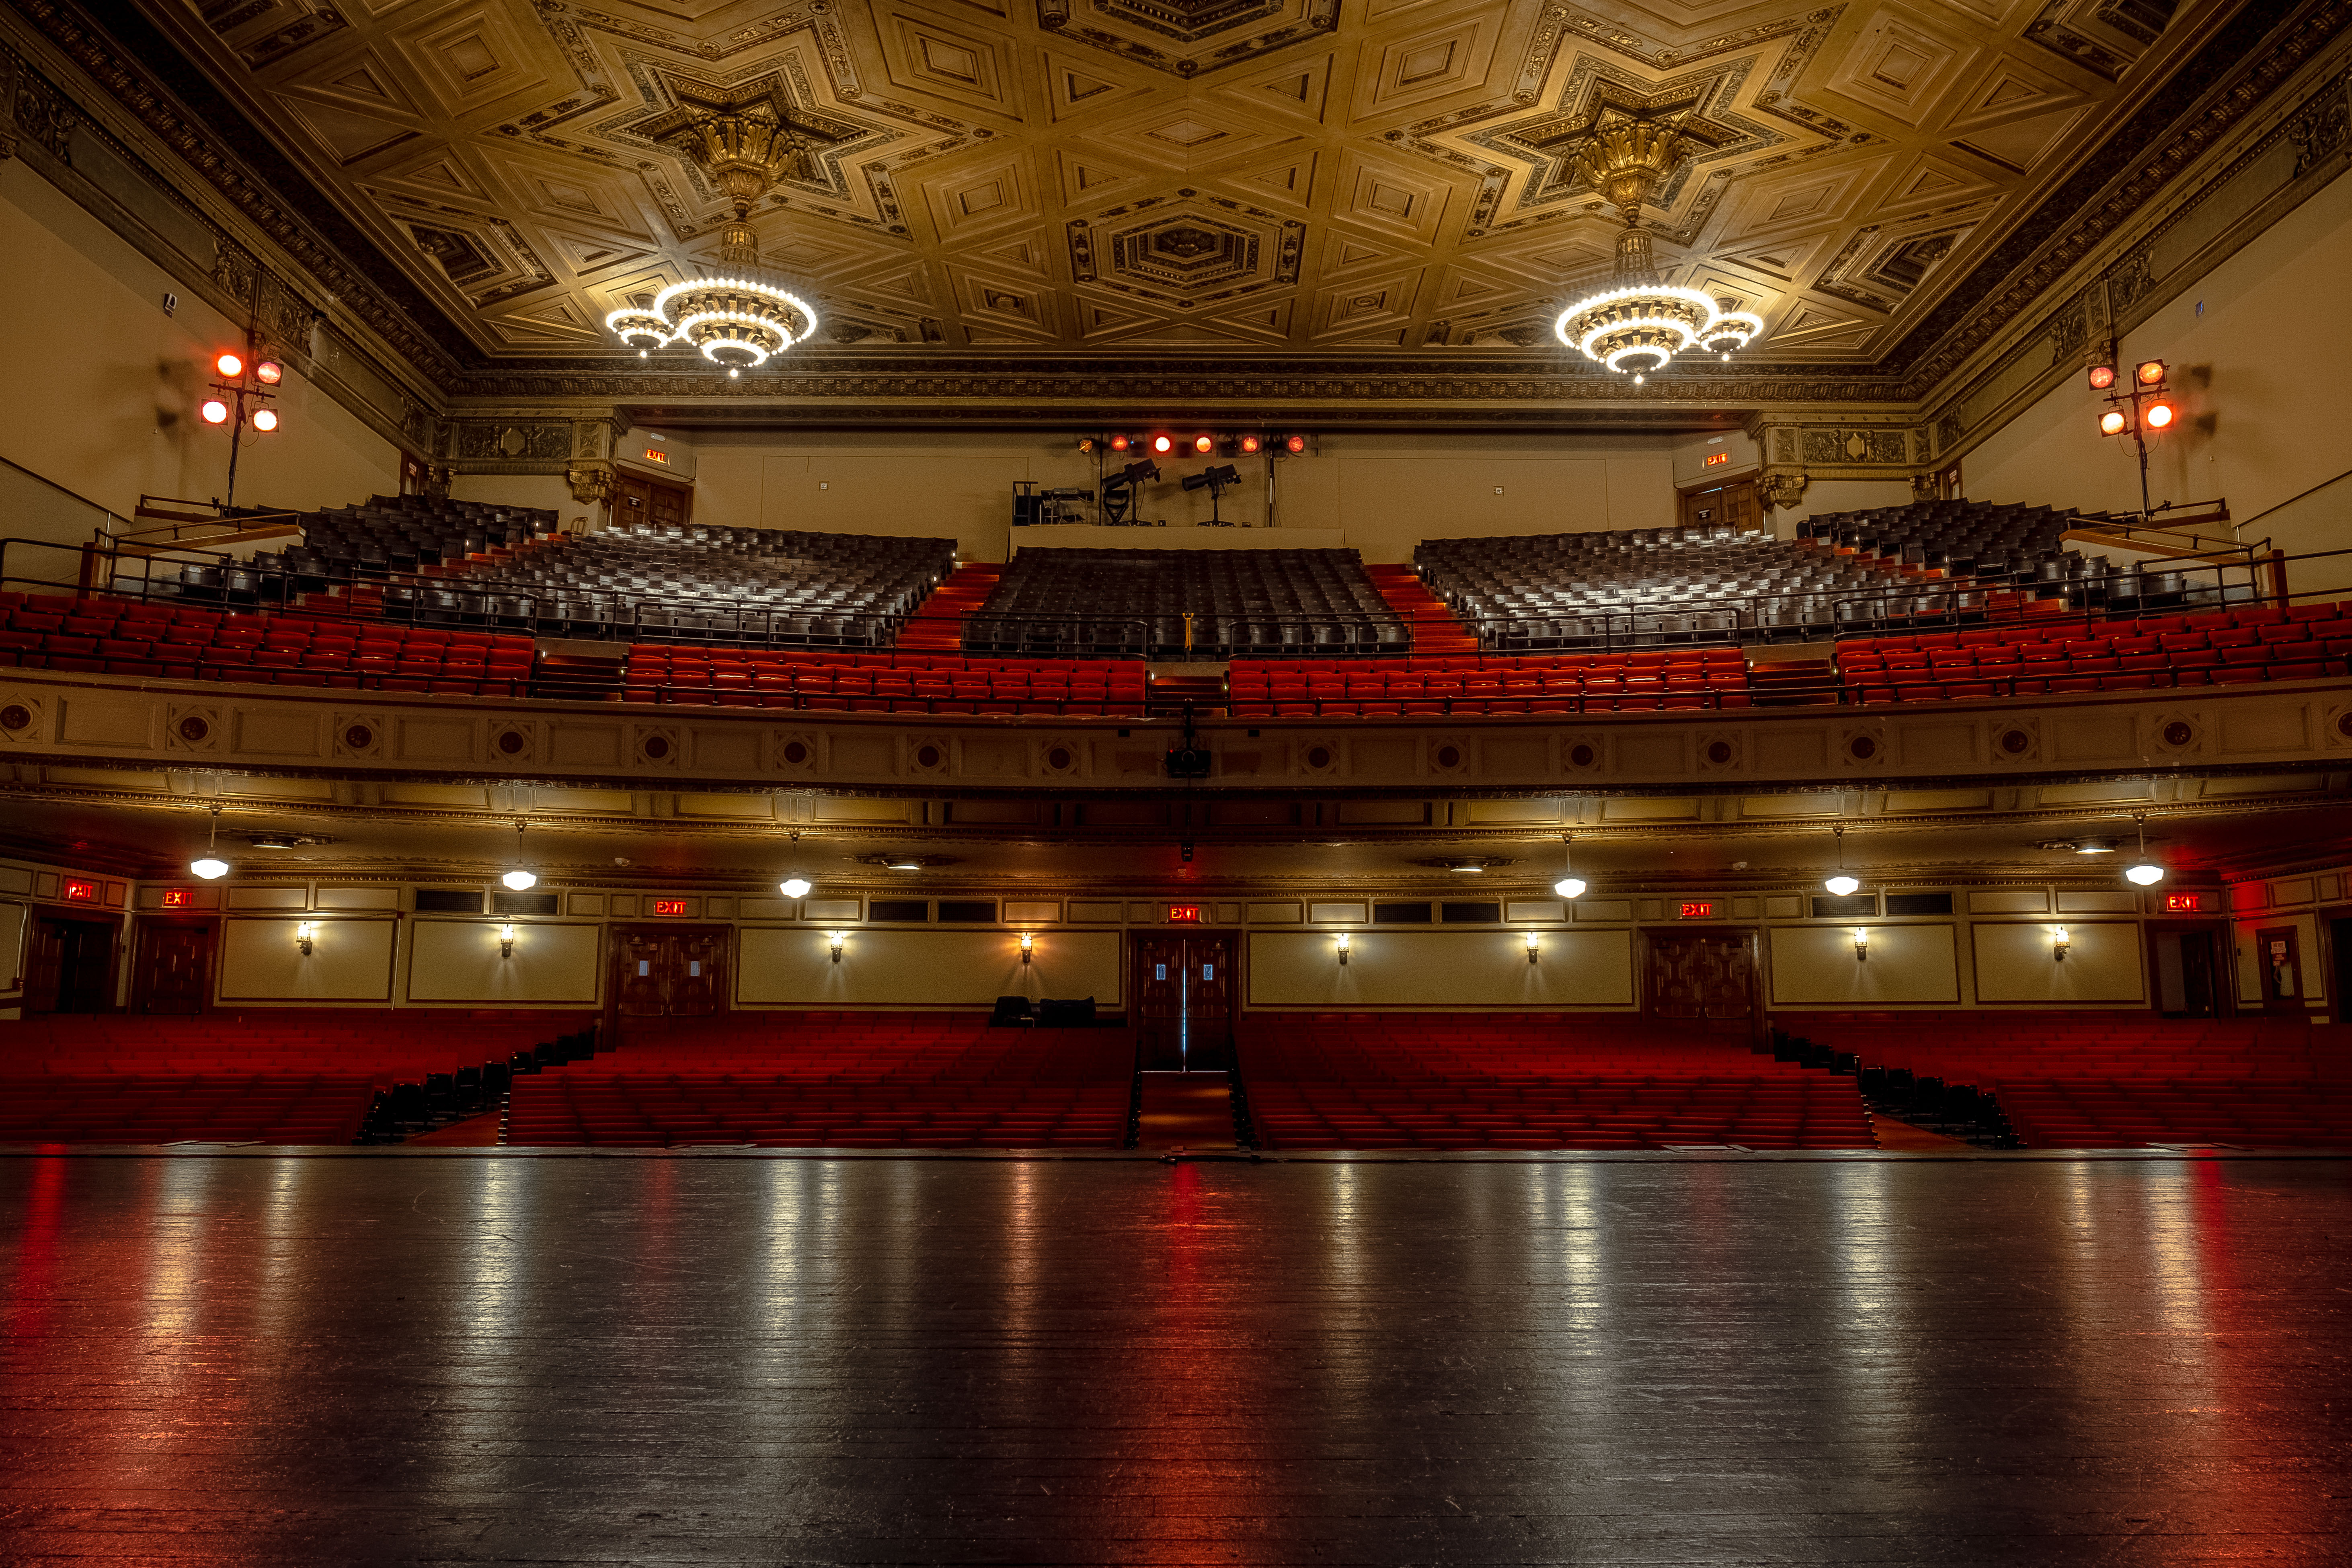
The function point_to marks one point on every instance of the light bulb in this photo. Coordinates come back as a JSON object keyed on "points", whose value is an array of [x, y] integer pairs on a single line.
{"points": [[1569, 888], [2145, 874], [1638, 380], [1840, 885], [210, 868], [794, 887], [519, 880]]}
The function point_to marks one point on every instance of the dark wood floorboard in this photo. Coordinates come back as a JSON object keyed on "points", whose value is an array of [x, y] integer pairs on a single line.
{"points": [[651, 1361]]}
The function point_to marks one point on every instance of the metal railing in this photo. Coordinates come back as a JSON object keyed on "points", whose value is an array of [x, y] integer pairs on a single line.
{"points": [[1192, 637]]}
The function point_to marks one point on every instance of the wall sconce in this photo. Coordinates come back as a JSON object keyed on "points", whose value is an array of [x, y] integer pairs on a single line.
{"points": [[1343, 950], [303, 936], [1861, 945], [1028, 944], [835, 939], [506, 941], [2058, 945], [1535, 942]]}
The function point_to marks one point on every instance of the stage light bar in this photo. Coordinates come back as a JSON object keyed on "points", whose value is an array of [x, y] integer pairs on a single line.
{"points": [[230, 366], [2113, 422], [1204, 445], [2149, 373], [2158, 416], [1294, 444], [2102, 376], [214, 411]]}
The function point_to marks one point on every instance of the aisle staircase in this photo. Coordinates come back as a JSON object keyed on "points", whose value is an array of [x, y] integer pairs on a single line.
{"points": [[938, 624], [1168, 694], [1434, 629]]}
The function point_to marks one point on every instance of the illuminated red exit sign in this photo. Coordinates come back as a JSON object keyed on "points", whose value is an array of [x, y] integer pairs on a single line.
{"points": [[655, 454], [1717, 459], [670, 906], [81, 892], [1184, 914], [1699, 912], [179, 897], [2183, 903]]}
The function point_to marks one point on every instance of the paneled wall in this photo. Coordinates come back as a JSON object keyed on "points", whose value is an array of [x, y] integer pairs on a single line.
{"points": [[784, 966], [348, 961], [1907, 965], [460, 960], [1440, 969]]}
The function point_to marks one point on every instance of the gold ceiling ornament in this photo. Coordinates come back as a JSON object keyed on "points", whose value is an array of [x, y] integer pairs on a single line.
{"points": [[1639, 322], [738, 320]]}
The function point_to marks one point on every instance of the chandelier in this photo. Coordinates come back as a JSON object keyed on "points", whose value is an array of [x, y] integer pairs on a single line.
{"points": [[735, 320], [1639, 322]]}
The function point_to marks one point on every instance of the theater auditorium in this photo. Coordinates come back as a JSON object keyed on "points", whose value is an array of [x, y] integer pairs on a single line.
{"points": [[1166, 782]]}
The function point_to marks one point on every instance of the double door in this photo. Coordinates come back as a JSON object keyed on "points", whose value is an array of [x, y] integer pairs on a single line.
{"points": [[1184, 1001], [1705, 978], [173, 968], [70, 965], [669, 972], [638, 500]]}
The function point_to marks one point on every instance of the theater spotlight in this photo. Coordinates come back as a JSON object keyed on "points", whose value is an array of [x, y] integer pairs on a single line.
{"points": [[1294, 444], [2102, 376], [1085, 445], [265, 420], [214, 412], [1119, 443], [229, 366], [1251, 446], [2113, 422], [2158, 416], [269, 372], [1162, 446], [1204, 445], [2148, 373]]}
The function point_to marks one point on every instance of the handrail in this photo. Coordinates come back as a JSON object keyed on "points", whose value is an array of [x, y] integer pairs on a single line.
{"points": [[1207, 635]]}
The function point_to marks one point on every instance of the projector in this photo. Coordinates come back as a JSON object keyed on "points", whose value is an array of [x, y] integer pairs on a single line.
{"points": [[1188, 762]]}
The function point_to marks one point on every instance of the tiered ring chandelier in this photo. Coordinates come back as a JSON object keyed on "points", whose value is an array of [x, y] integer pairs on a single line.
{"points": [[735, 320], [1639, 323]]}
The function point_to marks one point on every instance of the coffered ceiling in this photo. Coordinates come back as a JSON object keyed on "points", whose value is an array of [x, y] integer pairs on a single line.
{"points": [[1279, 176]]}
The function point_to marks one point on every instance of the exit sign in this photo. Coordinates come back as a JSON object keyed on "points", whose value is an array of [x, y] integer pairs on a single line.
{"points": [[179, 897], [2183, 903], [1717, 459], [670, 906], [77, 891], [1184, 914], [1702, 910], [655, 454]]}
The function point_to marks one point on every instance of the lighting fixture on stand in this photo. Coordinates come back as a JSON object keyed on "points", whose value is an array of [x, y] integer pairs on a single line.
{"points": [[212, 867], [794, 885], [519, 879], [1639, 322], [2143, 872], [1569, 885], [1840, 883], [737, 320]]}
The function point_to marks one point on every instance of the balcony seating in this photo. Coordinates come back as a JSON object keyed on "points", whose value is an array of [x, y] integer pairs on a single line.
{"points": [[1369, 1080], [1288, 602], [180, 642], [2071, 1082], [884, 683], [841, 1081], [1575, 683], [272, 1078]]}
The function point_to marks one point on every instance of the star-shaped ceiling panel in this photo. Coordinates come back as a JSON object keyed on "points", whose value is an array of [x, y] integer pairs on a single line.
{"points": [[1256, 173]]}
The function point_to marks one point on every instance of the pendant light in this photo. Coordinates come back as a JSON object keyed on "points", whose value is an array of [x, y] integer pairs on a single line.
{"points": [[1569, 884], [1841, 884], [2143, 872], [212, 867], [519, 879], [794, 885]]}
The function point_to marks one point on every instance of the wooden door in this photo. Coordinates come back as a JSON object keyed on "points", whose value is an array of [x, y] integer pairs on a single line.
{"points": [[1184, 997], [2191, 981], [2278, 967], [173, 973], [1734, 505], [1702, 977], [668, 972], [70, 966], [636, 500]]}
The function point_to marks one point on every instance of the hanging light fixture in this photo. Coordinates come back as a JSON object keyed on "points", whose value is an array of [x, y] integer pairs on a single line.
{"points": [[1569, 884], [794, 885], [736, 319], [211, 868], [519, 879], [1639, 322], [2143, 872], [1839, 882]]}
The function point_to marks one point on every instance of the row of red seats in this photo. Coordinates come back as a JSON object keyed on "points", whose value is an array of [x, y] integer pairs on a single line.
{"points": [[1454, 1081], [2108, 1113], [382, 1048], [316, 1109]]}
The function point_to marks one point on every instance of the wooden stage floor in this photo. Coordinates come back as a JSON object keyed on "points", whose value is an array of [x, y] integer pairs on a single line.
{"points": [[469, 1357]]}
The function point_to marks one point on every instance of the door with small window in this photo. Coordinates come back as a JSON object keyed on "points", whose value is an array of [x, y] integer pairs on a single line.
{"points": [[1184, 1001], [669, 972]]}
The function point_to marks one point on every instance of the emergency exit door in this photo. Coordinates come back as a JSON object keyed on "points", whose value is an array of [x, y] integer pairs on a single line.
{"points": [[669, 972], [1184, 1001]]}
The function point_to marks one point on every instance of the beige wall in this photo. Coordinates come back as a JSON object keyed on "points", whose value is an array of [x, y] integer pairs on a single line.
{"points": [[131, 377], [2262, 419], [1814, 966], [1824, 496], [349, 961], [2104, 962], [1442, 969], [458, 960], [786, 967]]}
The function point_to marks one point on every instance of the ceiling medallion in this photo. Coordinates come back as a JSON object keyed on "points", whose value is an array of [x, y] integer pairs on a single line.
{"points": [[1639, 322], [735, 320]]}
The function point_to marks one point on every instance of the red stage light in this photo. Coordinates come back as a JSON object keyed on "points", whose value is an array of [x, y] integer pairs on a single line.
{"points": [[215, 411], [2102, 376], [268, 374], [2159, 415], [2149, 372], [1294, 444], [2113, 423], [1119, 443], [265, 420], [230, 366], [1250, 445], [1204, 445], [1162, 444]]}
